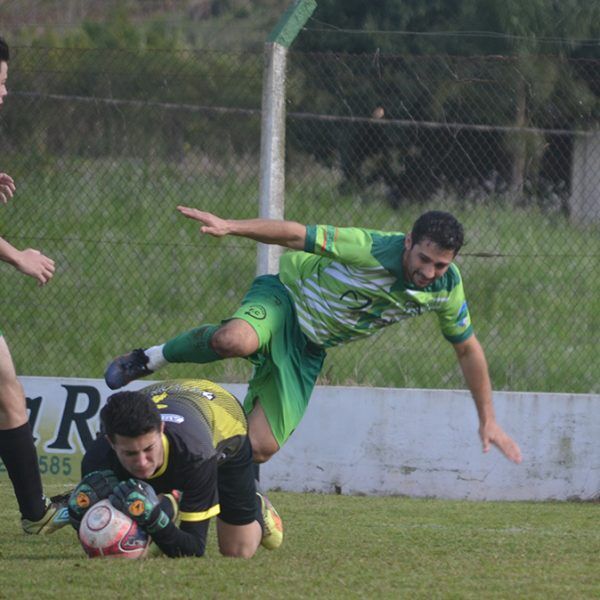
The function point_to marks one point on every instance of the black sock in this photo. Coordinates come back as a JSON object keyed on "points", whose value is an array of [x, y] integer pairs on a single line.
{"points": [[18, 453], [256, 467], [259, 513]]}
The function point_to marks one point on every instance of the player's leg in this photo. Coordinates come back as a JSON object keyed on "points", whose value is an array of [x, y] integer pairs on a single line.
{"points": [[264, 443], [239, 336], [238, 541], [200, 345], [280, 389], [235, 338], [18, 453], [243, 334], [13, 409], [241, 525]]}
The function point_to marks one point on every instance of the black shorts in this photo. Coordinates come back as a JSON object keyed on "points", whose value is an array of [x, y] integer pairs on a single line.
{"points": [[237, 488]]}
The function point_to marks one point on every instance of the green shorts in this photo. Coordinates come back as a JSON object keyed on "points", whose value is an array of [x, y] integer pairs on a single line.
{"points": [[287, 363]]}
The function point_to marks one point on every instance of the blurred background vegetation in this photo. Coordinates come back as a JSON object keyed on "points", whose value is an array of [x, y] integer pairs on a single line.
{"points": [[118, 111]]}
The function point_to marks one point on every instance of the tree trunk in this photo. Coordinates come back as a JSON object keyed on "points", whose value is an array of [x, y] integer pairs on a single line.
{"points": [[517, 175]]}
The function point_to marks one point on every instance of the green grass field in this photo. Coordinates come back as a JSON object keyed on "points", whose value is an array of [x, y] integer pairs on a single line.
{"points": [[339, 547]]}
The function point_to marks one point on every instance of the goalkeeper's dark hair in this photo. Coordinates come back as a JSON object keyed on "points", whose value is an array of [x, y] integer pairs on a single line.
{"points": [[441, 228], [130, 414], [4, 51]]}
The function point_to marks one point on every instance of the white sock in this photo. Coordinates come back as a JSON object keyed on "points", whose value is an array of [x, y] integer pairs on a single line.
{"points": [[156, 360]]}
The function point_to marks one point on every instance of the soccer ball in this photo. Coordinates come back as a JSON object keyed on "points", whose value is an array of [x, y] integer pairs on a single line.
{"points": [[106, 531]]}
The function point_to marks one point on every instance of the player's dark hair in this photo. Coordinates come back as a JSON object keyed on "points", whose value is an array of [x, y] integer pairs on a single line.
{"points": [[130, 414], [441, 228], [4, 51]]}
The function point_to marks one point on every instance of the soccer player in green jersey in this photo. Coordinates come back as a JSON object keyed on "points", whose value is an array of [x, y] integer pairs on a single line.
{"points": [[339, 284], [39, 514]]}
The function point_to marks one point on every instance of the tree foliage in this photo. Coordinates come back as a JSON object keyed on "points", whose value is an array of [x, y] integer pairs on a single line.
{"points": [[503, 63]]}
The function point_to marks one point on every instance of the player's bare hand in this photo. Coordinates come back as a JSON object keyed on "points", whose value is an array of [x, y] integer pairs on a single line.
{"points": [[7, 188], [492, 433], [211, 224], [35, 264]]}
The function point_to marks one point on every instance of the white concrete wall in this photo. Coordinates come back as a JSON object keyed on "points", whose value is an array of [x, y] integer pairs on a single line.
{"points": [[379, 441], [425, 443]]}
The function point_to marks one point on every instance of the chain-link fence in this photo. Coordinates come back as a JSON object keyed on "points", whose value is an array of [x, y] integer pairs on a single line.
{"points": [[104, 144]]}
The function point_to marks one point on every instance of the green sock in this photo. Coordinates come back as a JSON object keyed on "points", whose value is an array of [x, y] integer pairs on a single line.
{"points": [[192, 346]]}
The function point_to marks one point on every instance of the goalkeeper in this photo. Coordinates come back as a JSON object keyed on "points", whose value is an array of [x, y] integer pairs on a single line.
{"points": [[186, 441]]}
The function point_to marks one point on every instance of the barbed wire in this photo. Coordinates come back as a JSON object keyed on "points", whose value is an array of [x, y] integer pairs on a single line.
{"points": [[330, 27], [308, 116]]}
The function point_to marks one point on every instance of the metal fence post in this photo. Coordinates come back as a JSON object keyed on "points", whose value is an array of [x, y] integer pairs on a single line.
{"points": [[272, 147]]}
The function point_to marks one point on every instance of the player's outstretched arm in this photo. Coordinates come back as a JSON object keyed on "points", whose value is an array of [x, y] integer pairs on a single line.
{"points": [[30, 262], [7, 188], [474, 367], [268, 231], [492, 433]]}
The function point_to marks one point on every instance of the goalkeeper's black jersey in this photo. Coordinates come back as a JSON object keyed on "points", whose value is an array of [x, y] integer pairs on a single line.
{"points": [[204, 426]]}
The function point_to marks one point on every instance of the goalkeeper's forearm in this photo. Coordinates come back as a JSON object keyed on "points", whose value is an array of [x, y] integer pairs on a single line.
{"points": [[189, 540]]}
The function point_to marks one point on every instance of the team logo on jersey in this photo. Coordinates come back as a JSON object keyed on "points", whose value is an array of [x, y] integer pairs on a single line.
{"points": [[256, 311], [355, 300], [169, 418], [463, 313], [158, 398]]}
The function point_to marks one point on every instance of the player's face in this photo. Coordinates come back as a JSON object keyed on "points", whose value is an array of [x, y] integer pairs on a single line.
{"points": [[142, 456], [3, 78], [424, 262]]}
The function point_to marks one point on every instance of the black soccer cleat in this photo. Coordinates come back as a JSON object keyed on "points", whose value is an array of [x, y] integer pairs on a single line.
{"points": [[126, 368]]}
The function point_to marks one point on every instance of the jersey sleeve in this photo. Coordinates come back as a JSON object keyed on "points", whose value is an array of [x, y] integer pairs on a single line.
{"points": [[199, 503], [200, 498], [454, 318], [187, 540], [350, 245]]}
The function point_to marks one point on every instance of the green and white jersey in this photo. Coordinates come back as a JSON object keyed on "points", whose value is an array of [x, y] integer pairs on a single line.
{"points": [[349, 282]]}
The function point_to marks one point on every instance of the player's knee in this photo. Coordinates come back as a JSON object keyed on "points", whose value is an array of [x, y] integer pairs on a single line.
{"points": [[237, 550], [13, 408], [263, 442], [263, 450], [230, 342]]}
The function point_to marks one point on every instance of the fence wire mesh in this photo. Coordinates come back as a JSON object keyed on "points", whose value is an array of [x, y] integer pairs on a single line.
{"points": [[105, 144]]}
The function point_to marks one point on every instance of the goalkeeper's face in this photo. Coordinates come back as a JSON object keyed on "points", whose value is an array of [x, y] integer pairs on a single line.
{"points": [[143, 455]]}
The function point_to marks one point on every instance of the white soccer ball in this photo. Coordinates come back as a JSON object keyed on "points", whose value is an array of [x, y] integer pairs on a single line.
{"points": [[106, 531]]}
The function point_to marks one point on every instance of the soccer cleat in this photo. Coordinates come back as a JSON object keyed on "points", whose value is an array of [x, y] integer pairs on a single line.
{"points": [[126, 368], [55, 517], [273, 525]]}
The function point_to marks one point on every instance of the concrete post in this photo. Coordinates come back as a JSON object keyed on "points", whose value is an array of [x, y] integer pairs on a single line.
{"points": [[584, 203], [272, 145], [272, 151]]}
